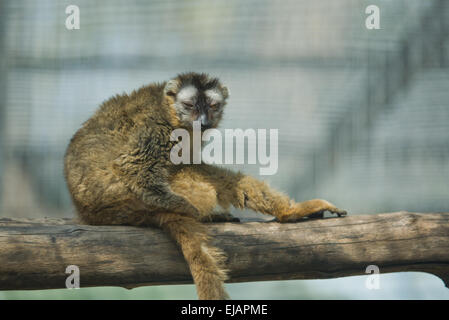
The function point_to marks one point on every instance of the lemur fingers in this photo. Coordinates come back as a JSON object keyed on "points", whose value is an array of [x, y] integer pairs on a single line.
{"points": [[219, 217]]}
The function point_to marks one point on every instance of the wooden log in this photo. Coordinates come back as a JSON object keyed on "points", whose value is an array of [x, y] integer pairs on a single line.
{"points": [[34, 254]]}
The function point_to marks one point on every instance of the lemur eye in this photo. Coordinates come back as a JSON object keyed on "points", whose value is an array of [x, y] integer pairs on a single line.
{"points": [[188, 105], [215, 105]]}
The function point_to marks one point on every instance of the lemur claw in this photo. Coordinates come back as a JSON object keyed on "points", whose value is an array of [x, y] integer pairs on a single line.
{"points": [[320, 214], [338, 212]]}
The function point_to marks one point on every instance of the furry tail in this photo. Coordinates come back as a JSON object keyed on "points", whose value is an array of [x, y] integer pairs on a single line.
{"points": [[206, 263]]}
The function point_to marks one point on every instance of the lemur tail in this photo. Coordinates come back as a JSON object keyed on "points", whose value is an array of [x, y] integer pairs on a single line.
{"points": [[205, 262]]}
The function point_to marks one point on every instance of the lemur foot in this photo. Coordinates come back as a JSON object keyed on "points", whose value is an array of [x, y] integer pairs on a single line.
{"points": [[220, 217], [320, 214], [312, 209]]}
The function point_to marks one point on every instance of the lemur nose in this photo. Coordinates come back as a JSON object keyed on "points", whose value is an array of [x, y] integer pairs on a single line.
{"points": [[204, 120]]}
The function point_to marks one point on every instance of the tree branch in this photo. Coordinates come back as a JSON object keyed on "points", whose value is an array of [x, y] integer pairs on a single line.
{"points": [[34, 254]]}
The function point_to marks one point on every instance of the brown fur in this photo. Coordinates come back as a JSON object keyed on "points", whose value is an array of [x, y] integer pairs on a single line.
{"points": [[118, 172]]}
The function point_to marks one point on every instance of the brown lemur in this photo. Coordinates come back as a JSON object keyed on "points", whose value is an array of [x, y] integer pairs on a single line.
{"points": [[119, 172]]}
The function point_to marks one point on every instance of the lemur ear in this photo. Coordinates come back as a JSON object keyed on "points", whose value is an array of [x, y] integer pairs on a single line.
{"points": [[171, 88], [225, 92]]}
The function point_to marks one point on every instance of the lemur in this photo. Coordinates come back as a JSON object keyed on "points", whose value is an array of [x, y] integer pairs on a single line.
{"points": [[118, 171]]}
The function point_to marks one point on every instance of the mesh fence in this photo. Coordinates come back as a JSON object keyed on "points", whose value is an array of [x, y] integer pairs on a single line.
{"points": [[362, 113]]}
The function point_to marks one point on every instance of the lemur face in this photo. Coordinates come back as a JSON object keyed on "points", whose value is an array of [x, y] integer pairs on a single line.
{"points": [[197, 98]]}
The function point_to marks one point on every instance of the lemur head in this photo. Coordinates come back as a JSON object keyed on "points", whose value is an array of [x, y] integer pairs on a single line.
{"points": [[197, 97]]}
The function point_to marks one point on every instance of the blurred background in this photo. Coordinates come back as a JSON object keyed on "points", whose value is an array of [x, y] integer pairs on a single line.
{"points": [[363, 115]]}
